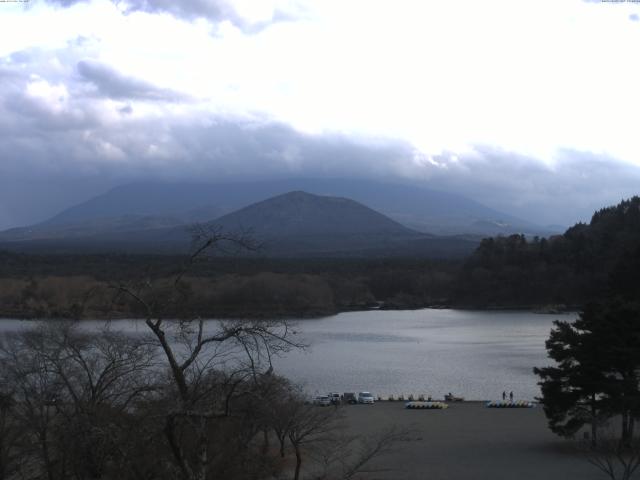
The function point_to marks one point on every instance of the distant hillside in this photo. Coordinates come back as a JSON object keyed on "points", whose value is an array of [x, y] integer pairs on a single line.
{"points": [[302, 223], [301, 213], [292, 224], [90, 227], [422, 209], [569, 269]]}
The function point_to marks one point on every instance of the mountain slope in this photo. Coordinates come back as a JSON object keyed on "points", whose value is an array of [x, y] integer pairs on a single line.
{"points": [[419, 208], [301, 213], [302, 223], [294, 224]]}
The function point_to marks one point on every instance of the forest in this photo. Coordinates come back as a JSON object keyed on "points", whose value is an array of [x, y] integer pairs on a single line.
{"points": [[560, 272]]}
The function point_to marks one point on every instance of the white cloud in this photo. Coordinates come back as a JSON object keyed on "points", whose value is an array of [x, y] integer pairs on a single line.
{"points": [[528, 76]]}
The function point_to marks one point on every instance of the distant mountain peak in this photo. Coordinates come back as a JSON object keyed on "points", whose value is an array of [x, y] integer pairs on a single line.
{"points": [[301, 213], [313, 208]]}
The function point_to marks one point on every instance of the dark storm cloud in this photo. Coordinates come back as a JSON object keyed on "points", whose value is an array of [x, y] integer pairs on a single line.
{"points": [[23, 114], [212, 148], [54, 122], [213, 10], [57, 128], [575, 186], [112, 84]]}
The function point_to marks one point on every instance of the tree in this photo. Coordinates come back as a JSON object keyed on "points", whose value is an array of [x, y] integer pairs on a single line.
{"points": [[195, 352], [9, 437], [309, 424], [613, 458], [190, 399], [571, 391], [597, 372], [615, 326], [347, 457], [72, 395]]}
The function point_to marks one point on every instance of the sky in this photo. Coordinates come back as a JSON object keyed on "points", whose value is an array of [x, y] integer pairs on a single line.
{"points": [[530, 107]]}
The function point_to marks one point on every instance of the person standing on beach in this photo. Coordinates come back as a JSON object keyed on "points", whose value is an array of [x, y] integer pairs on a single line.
{"points": [[504, 395], [511, 396]]}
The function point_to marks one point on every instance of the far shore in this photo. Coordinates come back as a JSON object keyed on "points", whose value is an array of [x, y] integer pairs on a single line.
{"points": [[310, 315]]}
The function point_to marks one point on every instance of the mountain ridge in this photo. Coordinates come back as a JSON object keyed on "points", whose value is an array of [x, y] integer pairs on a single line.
{"points": [[419, 208], [292, 224]]}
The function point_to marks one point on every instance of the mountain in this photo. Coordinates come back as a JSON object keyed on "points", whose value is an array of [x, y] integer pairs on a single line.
{"points": [[174, 204], [299, 222], [294, 224], [300, 213]]}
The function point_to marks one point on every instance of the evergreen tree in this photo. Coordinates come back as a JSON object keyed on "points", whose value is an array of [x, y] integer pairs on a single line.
{"points": [[598, 369], [572, 391]]}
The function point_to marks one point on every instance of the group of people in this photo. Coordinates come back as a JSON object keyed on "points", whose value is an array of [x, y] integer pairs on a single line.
{"points": [[504, 396]]}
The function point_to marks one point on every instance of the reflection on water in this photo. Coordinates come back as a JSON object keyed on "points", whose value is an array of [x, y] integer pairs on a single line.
{"points": [[360, 337], [472, 354]]}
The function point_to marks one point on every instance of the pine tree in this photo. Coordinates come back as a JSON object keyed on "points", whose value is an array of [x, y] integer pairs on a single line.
{"points": [[598, 369]]}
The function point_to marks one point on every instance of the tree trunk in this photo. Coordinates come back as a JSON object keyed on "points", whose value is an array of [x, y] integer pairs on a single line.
{"points": [[594, 422], [625, 429], [169, 432], [265, 444], [298, 462], [201, 473], [47, 461]]}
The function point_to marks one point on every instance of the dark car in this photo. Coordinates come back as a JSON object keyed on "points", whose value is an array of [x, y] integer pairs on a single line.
{"points": [[350, 398]]}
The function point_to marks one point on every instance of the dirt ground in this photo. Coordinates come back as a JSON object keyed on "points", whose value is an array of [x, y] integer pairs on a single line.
{"points": [[468, 441]]}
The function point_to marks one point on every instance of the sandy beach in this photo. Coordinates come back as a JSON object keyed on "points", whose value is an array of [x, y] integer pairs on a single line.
{"points": [[468, 441]]}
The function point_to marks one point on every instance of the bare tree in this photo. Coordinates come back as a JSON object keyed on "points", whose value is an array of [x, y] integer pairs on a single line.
{"points": [[9, 436], [34, 387], [192, 399], [348, 457], [310, 424], [193, 348], [616, 458], [73, 392]]}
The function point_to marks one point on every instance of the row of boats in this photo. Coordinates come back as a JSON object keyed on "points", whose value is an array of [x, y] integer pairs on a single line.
{"points": [[492, 404]]}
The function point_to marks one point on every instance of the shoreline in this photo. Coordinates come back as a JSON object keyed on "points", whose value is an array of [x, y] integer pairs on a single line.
{"points": [[311, 315]]}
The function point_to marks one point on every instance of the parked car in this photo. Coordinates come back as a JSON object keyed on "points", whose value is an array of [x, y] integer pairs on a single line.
{"points": [[335, 398], [365, 397], [350, 398], [322, 400]]}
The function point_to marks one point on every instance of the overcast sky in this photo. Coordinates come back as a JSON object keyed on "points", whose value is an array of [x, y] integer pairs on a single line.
{"points": [[529, 106]]}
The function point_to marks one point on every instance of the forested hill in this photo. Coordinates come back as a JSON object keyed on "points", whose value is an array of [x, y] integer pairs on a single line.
{"points": [[585, 262]]}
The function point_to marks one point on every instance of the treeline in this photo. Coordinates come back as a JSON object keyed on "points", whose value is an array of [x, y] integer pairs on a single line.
{"points": [[82, 287], [594, 380], [569, 269], [504, 272]]}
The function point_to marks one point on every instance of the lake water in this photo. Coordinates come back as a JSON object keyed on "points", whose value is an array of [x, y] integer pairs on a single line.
{"points": [[469, 353]]}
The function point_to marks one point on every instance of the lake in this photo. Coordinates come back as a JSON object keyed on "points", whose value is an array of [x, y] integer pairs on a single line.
{"points": [[474, 354]]}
